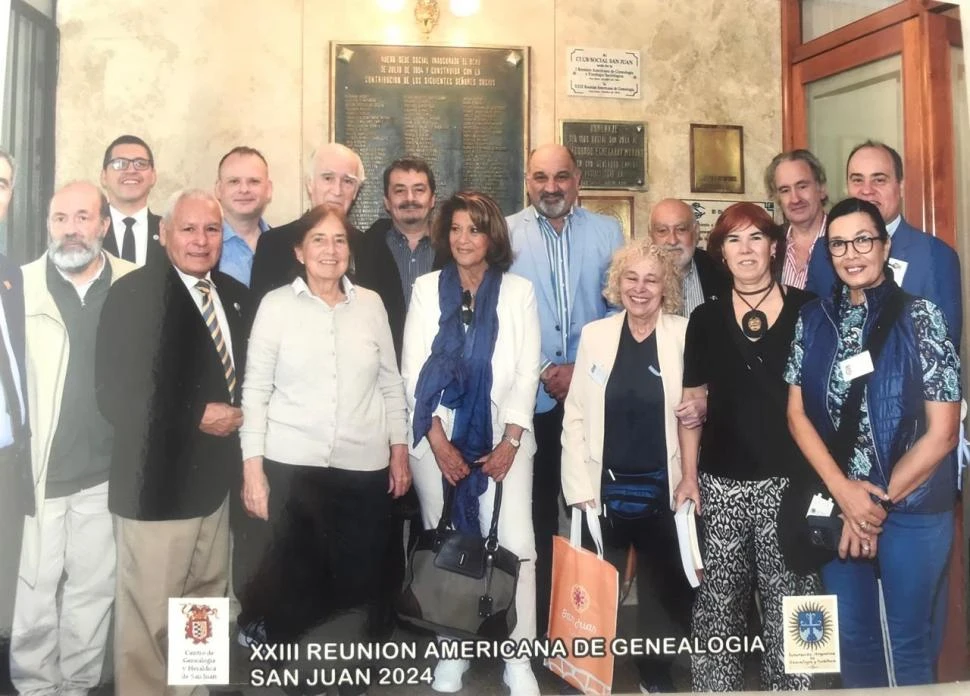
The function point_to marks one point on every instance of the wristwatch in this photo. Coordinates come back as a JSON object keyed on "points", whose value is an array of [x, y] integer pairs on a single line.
{"points": [[512, 441]]}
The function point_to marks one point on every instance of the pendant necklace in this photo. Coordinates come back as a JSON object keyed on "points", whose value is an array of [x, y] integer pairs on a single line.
{"points": [[754, 323]]}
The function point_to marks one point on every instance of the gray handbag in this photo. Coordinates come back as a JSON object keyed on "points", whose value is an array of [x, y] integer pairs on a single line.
{"points": [[459, 585]]}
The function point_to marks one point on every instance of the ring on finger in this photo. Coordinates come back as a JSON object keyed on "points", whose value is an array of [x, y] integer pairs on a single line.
{"points": [[863, 525]]}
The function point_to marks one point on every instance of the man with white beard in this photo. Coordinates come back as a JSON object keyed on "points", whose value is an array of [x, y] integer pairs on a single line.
{"points": [[59, 647]]}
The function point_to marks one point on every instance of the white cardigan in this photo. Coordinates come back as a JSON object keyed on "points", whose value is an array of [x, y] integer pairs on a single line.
{"points": [[584, 420], [515, 361]]}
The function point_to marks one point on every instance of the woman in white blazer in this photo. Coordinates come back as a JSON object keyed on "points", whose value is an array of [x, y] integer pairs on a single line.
{"points": [[470, 363], [620, 448]]}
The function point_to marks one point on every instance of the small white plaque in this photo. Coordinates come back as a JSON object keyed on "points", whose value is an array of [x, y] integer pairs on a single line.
{"points": [[811, 624], [198, 640], [604, 72]]}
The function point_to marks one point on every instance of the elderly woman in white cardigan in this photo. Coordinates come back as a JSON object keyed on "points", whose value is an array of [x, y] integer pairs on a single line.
{"points": [[620, 447]]}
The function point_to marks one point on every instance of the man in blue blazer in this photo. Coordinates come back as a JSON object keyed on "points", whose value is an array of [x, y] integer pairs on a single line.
{"points": [[565, 251], [922, 264]]}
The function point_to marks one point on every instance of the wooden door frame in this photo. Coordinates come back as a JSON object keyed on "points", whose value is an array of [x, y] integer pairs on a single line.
{"points": [[917, 31]]}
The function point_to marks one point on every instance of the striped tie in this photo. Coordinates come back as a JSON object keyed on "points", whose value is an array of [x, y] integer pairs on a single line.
{"points": [[209, 314]]}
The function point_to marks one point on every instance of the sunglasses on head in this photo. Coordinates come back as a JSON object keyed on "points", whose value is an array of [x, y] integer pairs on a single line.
{"points": [[466, 307]]}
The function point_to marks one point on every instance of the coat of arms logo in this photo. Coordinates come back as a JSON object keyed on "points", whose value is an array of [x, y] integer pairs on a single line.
{"points": [[198, 624]]}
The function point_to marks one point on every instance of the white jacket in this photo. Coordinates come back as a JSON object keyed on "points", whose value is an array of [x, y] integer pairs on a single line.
{"points": [[585, 406], [47, 356]]}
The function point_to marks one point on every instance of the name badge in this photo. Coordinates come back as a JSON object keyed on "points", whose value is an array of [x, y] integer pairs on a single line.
{"points": [[820, 506], [856, 366], [598, 374], [899, 270]]}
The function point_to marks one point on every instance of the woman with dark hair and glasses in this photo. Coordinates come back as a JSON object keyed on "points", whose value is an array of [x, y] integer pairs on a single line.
{"points": [[470, 363], [737, 465], [895, 497]]}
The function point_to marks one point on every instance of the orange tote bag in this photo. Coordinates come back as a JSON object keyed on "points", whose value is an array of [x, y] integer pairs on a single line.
{"points": [[582, 610]]}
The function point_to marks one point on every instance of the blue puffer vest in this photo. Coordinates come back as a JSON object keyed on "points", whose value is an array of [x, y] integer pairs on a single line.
{"points": [[894, 395]]}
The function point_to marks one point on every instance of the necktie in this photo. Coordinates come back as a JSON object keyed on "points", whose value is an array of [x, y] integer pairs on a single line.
{"points": [[209, 315], [128, 245]]}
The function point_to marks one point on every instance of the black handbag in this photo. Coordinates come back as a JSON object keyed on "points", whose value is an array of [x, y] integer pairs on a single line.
{"points": [[809, 541], [458, 585]]}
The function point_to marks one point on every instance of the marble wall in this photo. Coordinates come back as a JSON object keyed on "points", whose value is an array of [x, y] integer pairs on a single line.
{"points": [[195, 77]]}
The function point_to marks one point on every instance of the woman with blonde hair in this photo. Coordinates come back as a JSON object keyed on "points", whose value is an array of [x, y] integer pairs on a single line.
{"points": [[620, 448]]}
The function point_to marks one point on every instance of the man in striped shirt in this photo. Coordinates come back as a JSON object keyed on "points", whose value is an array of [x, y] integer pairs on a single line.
{"points": [[796, 179], [674, 227]]}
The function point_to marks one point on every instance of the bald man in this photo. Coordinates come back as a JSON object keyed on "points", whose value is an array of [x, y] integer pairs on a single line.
{"points": [[59, 646], [674, 227], [334, 177], [565, 251]]}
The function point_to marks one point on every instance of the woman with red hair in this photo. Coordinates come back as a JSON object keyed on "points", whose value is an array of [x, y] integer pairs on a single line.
{"points": [[736, 466]]}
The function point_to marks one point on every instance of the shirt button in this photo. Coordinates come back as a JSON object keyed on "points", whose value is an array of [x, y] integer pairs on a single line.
{"points": [[557, 328], [559, 353]]}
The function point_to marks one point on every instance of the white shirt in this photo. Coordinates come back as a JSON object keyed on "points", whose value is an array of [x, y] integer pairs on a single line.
{"points": [[190, 282], [891, 227], [82, 290], [140, 229]]}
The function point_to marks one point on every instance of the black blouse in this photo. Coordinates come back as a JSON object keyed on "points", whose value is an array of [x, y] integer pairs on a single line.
{"points": [[746, 433]]}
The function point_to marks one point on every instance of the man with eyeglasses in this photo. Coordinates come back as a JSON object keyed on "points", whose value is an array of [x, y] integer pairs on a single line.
{"points": [[922, 264], [128, 176], [674, 227], [565, 251]]}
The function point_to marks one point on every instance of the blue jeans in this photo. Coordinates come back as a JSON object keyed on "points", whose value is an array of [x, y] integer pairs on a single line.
{"points": [[912, 560]]}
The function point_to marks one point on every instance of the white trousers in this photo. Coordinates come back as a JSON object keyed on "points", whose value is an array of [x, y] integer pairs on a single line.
{"points": [[514, 525], [62, 652]]}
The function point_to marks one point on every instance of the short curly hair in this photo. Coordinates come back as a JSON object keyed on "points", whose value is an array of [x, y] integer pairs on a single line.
{"points": [[638, 250]]}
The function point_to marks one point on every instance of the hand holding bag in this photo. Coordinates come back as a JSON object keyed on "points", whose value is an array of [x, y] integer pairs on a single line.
{"points": [[583, 606], [459, 585]]}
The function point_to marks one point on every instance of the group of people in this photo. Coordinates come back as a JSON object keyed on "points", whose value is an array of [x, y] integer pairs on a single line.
{"points": [[169, 379]]}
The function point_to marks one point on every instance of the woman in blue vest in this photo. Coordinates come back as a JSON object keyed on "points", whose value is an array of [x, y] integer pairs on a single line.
{"points": [[895, 497]]}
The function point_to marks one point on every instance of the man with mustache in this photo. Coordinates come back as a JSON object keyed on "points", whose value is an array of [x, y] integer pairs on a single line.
{"points": [[335, 174], [796, 179], [674, 227], [565, 251], [128, 176], [58, 646], [244, 189]]}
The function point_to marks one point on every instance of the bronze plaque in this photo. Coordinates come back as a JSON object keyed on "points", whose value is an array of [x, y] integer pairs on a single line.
{"points": [[463, 109], [611, 154], [716, 159]]}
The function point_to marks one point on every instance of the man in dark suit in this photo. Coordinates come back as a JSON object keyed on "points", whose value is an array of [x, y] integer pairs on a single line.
{"points": [[128, 176], [334, 177], [922, 264], [673, 226], [170, 357], [16, 481]]}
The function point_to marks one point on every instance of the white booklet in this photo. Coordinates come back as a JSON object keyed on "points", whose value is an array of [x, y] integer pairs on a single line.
{"points": [[689, 542]]}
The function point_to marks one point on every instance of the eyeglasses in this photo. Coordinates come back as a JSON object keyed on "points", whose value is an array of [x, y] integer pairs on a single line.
{"points": [[664, 231], [345, 181], [862, 245], [467, 313], [120, 164]]}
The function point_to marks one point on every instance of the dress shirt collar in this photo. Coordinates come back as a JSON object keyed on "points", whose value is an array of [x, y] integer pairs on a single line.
{"points": [[82, 289], [893, 226], [118, 217], [301, 288], [228, 232], [567, 218], [400, 238], [190, 281]]}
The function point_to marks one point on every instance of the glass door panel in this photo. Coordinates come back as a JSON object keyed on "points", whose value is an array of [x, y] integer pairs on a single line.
{"points": [[850, 107]]}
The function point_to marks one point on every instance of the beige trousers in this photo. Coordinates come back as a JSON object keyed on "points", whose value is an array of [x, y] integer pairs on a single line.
{"points": [[158, 560]]}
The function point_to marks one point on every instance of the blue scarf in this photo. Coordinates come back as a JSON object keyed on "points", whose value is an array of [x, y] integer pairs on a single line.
{"points": [[458, 375]]}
